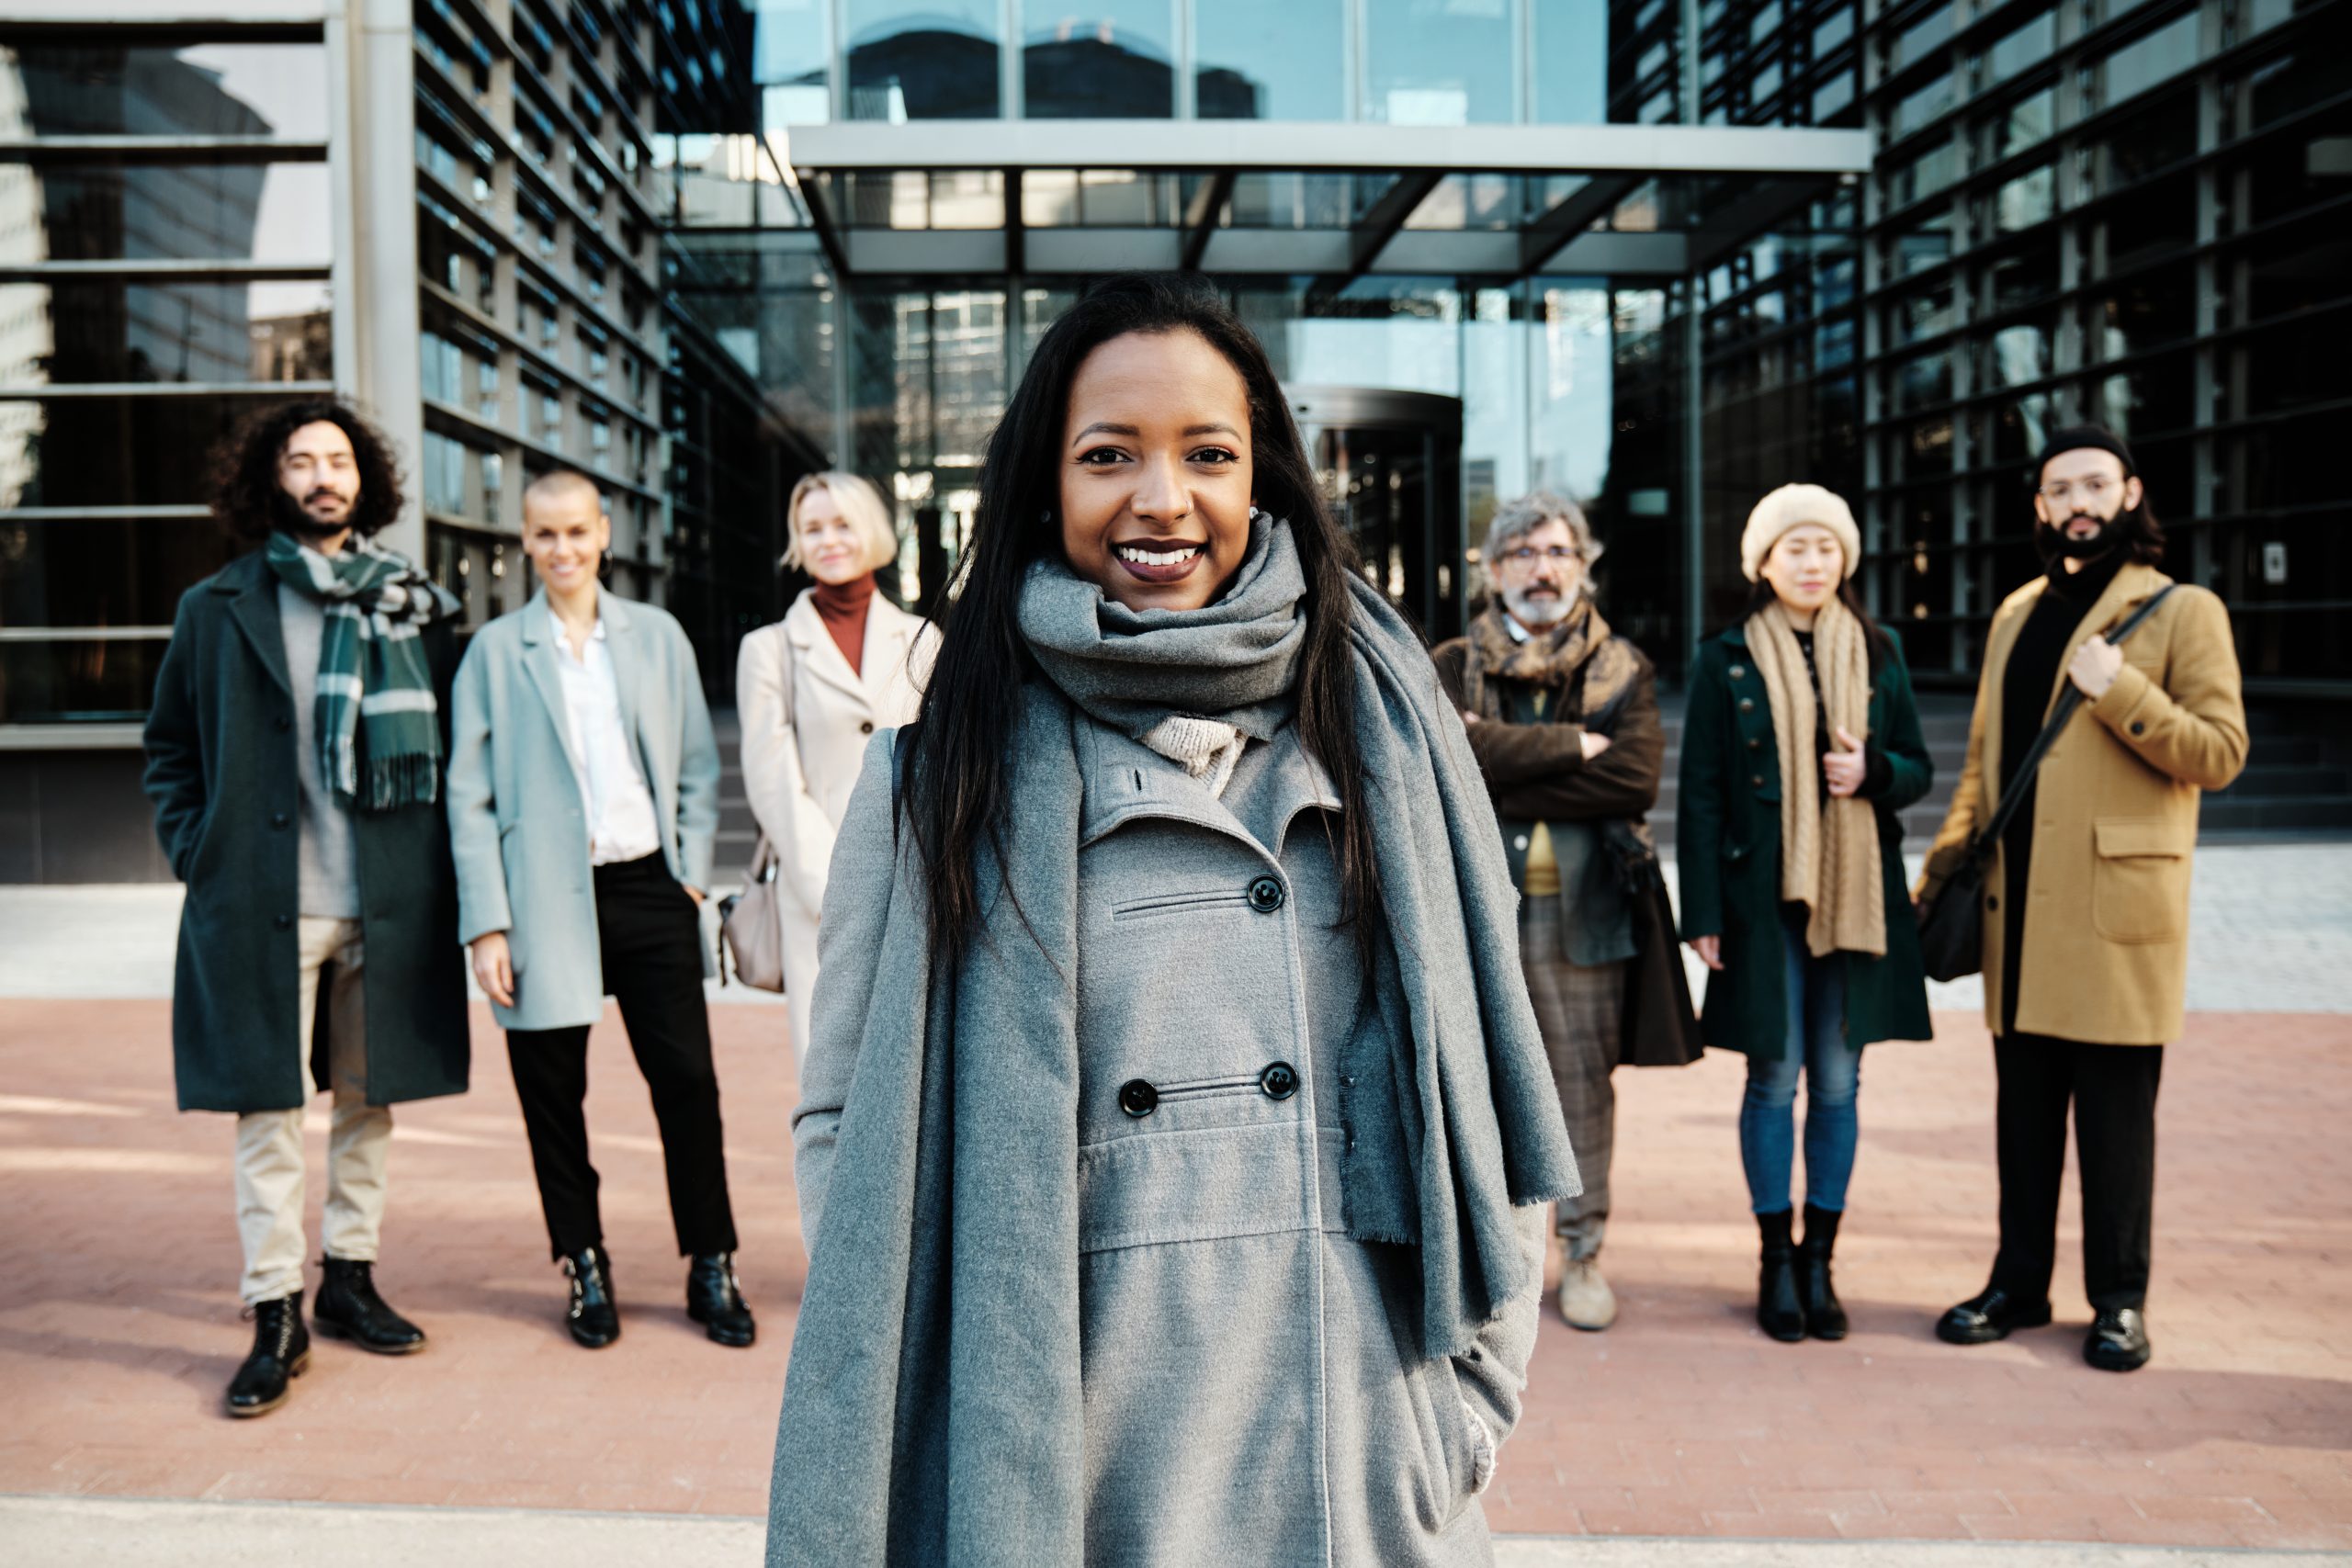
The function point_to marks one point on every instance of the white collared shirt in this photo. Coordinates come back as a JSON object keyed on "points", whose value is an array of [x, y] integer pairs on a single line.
{"points": [[621, 824]]}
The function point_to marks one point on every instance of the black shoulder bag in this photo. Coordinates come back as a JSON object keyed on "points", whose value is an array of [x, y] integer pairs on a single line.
{"points": [[1952, 922]]}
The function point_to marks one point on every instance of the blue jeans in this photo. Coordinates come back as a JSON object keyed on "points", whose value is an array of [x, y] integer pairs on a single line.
{"points": [[1833, 1071]]}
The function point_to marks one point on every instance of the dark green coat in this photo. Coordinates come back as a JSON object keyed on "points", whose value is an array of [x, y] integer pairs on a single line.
{"points": [[220, 768], [1728, 843]]}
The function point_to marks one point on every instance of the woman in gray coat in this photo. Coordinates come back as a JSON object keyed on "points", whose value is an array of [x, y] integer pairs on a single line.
{"points": [[1174, 1128]]}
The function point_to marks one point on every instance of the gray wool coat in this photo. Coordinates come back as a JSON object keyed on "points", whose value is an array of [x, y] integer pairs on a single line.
{"points": [[1252, 1384], [518, 828]]}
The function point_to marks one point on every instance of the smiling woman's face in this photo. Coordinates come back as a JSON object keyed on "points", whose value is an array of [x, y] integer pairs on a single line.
{"points": [[1156, 475]]}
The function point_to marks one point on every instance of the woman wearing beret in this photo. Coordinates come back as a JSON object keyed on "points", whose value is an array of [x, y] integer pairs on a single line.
{"points": [[1174, 1128], [1801, 746]]}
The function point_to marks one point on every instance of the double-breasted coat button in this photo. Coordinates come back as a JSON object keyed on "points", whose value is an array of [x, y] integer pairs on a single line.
{"points": [[279, 820], [1280, 1080], [865, 726], [1755, 744], [1266, 894], [1992, 902], [283, 923], [1748, 705], [1739, 672], [2139, 727], [1756, 779], [1138, 1097]]}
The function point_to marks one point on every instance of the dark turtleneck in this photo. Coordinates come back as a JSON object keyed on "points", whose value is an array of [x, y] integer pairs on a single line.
{"points": [[2028, 682], [843, 607]]}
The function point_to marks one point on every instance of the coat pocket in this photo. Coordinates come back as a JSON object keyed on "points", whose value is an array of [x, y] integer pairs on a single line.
{"points": [[1159, 905], [2139, 882]]}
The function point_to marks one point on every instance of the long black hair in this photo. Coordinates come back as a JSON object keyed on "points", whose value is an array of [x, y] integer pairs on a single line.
{"points": [[959, 766], [246, 499]]}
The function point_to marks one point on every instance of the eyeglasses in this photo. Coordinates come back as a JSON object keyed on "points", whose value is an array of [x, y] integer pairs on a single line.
{"points": [[2093, 490], [1528, 555]]}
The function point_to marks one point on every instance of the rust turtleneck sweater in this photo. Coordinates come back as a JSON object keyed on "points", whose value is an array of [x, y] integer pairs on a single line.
{"points": [[842, 608]]}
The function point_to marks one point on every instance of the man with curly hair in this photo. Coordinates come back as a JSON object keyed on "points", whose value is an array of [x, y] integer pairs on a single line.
{"points": [[295, 754]]}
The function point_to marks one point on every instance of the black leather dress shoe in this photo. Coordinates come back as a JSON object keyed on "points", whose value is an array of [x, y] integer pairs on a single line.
{"points": [[348, 1308], [2117, 1341], [594, 1317], [281, 1350], [1982, 1319], [716, 1301]]}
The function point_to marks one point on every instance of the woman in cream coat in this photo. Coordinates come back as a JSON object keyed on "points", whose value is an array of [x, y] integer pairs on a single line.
{"points": [[809, 703]]}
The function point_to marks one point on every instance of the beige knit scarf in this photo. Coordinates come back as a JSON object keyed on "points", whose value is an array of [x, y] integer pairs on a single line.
{"points": [[1829, 852]]}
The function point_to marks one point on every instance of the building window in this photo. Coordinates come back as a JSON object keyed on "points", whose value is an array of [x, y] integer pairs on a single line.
{"points": [[101, 490], [922, 59], [1110, 59]]}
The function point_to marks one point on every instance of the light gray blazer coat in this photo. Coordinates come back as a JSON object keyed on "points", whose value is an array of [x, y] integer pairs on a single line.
{"points": [[808, 718], [1254, 1390], [518, 826]]}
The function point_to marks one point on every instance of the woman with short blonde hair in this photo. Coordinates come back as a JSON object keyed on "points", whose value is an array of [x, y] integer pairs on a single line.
{"points": [[811, 688]]}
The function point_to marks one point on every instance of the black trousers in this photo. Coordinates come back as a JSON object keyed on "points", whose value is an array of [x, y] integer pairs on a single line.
{"points": [[650, 942], [2113, 1091]]}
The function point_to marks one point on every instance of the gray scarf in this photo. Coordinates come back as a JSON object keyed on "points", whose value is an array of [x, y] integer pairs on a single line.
{"points": [[933, 1411]]}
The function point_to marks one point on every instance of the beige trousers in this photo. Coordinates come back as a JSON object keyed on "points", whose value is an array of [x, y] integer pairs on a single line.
{"points": [[269, 1143]]}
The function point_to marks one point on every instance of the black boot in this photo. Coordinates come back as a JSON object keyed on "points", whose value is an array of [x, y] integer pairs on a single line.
{"points": [[716, 1301], [281, 1350], [1824, 1317], [348, 1308], [594, 1317], [1778, 1311]]}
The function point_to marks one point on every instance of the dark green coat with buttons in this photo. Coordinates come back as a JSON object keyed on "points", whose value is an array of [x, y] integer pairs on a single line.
{"points": [[221, 771], [1727, 846]]}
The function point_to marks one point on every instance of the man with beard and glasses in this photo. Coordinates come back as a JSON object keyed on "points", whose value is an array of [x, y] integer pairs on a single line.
{"points": [[2087, 895], [295, 754], [1562, 715]]}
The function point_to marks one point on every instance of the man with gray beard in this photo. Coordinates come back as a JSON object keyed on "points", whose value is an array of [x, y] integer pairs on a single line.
{"points": [[1562, 715]]}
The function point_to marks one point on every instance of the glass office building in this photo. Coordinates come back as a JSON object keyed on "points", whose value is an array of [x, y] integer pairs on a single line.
{"points": [[1661, 255]]}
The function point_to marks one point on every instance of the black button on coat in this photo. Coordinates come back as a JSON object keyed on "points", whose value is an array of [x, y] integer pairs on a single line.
{"points": [[220, 747]]}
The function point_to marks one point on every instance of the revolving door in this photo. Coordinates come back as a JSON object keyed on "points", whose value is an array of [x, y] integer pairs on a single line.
{"points": [[1390, 465]]}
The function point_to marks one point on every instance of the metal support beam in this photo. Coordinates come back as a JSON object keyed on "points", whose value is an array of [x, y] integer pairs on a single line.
{"points": [[812, 191], [1729, 228], [1015, 249], [1572, 215], [1201, 222], [1376, 227]]}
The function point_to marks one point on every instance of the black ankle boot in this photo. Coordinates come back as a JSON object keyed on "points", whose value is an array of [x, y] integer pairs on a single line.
{"points": [[1824, 1317], [348, 1308], [281, 1350], [716, 1301], [1778, 1311], [594, 1317]]}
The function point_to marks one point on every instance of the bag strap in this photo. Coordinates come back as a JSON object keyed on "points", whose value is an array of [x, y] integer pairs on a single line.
{"points": [[2060, 713]]}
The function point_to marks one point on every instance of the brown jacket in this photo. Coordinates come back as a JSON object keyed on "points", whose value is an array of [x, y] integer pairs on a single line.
{"points": [[2106, 934]]}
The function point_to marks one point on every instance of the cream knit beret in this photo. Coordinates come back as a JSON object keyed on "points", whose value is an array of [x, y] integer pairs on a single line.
{"points": [[1792, 506]]}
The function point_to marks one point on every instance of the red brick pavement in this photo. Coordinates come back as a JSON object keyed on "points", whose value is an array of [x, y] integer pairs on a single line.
{"points": [[118, 1328]]}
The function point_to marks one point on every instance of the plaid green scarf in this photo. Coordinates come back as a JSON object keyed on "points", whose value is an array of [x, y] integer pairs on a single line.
{"points": [[375, 685]]}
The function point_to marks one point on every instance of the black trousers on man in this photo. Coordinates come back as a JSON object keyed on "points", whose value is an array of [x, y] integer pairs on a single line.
{"points": [[651, 941], [2113, 1091]]}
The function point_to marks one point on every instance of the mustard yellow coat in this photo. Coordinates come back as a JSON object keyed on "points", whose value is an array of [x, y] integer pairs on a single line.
{"points": [[2105, 947]]}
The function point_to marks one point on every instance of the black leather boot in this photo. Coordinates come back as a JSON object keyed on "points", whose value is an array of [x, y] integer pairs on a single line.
{"points": [[716, 1301], [1824, 1317], [281, 1350], [594, 1317], [1778, 1311], [348, 1308]]}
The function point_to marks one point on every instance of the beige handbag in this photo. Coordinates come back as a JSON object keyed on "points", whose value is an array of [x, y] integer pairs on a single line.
{"points": [[752, 921]]}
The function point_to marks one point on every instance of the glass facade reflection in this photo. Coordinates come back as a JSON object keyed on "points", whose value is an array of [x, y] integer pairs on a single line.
{"points": [[1253, 61], [928, 60]]}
